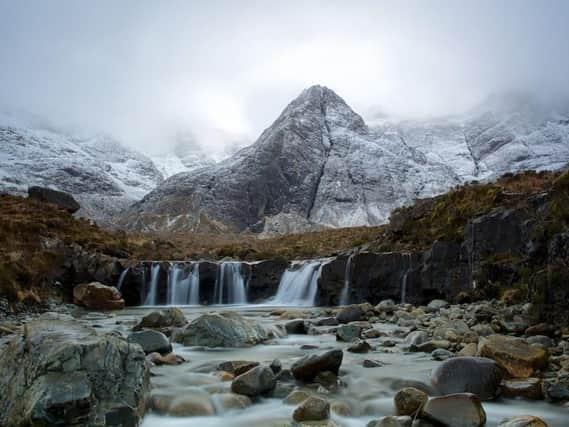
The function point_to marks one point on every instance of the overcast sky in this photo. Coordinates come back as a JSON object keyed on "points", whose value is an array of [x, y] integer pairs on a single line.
{"points": [[223, 70]]}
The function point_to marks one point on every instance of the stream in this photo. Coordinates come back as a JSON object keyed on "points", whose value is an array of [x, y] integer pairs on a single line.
{"points": [[367, 392]]}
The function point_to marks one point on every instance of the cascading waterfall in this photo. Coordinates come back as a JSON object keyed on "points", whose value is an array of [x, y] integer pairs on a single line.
{"points": [[152, 295], [404, 281], [299, 285], [121, 278], [345, 295], [183, 290], [229, 284]]}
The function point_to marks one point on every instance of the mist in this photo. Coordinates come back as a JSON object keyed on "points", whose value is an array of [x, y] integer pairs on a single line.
{"points": [[148, 72]]}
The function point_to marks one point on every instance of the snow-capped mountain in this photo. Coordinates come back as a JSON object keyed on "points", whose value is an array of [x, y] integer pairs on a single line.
{"points": [[104, 176], [319, 164]]}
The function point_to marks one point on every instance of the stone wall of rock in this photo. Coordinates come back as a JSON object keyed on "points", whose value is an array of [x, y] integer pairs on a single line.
{"points": [[60, 372]]}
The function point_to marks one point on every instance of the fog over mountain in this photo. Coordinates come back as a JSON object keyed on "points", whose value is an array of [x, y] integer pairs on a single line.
{"points": [[221, 71]]}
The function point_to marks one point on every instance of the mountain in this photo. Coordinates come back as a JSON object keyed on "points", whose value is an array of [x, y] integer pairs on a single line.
{"points": [[319, 165], [104, 176], [506, 133]]}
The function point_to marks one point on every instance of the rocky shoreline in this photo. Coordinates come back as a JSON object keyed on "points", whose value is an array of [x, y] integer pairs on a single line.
{"points": [[89, 368]]}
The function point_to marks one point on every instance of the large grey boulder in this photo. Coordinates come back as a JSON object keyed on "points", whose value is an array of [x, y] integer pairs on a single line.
{"points": [[151, 341], [307, 368], [58, 372], [226, 329], [255, 382], [59, 198], [477, 375]]}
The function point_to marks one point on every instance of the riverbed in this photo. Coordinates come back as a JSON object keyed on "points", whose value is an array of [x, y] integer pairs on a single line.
{"points": [[365, 393]]}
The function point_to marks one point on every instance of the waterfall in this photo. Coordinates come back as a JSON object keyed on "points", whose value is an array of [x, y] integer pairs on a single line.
{"points": [[404, 281], [152, 295], [229, 284], [121, 278], [183, 284], [345, 295], [299, 285]]}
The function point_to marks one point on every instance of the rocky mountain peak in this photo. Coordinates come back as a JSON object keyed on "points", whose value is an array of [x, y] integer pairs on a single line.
{"points": [[321, 101]]}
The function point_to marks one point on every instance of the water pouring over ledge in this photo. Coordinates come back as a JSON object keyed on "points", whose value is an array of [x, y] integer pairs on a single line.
{"points": [[299, 284]]}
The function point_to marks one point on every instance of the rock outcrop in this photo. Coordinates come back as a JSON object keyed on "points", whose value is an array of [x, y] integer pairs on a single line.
{"points": [[59, 198], [97, 296], [59, 372]]}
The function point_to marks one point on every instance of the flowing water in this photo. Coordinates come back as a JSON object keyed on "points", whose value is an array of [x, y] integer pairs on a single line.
{"points": [[122, 277], [229, 284], [299, 284], [151, 297], [345, 295], [368, 392]]}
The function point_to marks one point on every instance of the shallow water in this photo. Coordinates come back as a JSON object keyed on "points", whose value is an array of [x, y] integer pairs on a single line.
{"points": [[367, 391]]}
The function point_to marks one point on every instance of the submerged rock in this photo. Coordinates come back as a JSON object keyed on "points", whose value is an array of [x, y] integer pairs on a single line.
{"points": [[456, 410], [307, 368], [59, 372], [97, 296], [518, 358], [475, 375], [312, 409], [527, 388], [221, 330], [391, 421], [522, 421], [360, 347]]}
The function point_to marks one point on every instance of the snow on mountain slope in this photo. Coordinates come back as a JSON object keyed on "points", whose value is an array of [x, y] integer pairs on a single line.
{"points": [[320, 165], [317, 164], [104, 176]]}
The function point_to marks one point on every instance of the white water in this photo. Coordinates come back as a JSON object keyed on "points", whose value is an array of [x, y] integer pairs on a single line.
{"points": [[121, 278], [152, 295], [229, 284], [345, 295], [299, 285], [183, 284], [404, 281]]}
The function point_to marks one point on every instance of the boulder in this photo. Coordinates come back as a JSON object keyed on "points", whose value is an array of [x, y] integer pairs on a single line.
{"points": [[307, 368], [193, 402], [59, 198], [97, 296], [527, 388], [58, 372], [255, 382], [475, 375], [556, 391], [168, 359], [515, 356], [522, 421], [415, 338], [352, 313], [456, 410], [166, 318], [348, 333], [312, 409], [297, 326], [436, 305], [391, 421], [151, 341], [226, 329], [359, 347], [386, 306], [409, 401]]}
